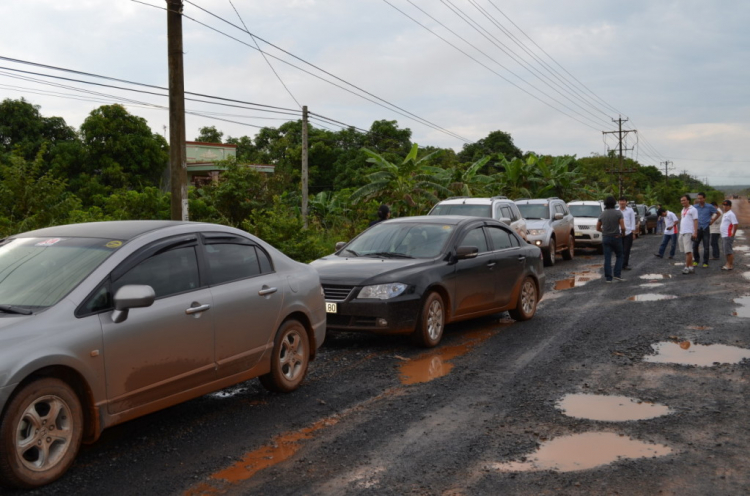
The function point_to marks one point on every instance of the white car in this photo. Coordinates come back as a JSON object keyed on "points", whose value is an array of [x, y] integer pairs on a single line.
{"points": [[498, 208], [585, 216]]}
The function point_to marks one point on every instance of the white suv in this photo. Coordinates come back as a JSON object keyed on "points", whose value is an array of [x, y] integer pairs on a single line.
{"points": [[585, 216], [498, 208]]}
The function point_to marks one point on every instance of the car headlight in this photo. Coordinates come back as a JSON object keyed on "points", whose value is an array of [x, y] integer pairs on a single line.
{"points": [[382, 291], [536, 232]]}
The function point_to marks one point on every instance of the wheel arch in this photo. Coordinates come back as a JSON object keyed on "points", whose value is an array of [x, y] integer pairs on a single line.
{"points": [[303, 319], [445, 295]]}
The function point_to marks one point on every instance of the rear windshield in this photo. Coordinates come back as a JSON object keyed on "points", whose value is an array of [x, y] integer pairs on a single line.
{"points": [[464, 210], [36, 273], [534, 211], [585, 210]]}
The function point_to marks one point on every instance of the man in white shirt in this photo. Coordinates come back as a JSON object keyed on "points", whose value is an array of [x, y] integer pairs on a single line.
{"points": [[628, 215], [729, 226], [688, 232], [669, 220]]}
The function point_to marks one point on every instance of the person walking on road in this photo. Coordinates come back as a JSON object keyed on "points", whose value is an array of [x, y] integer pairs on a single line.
{"points": [[688, 232], [612, 227], [715, 230], [628, 216], [728, 231], [707, 214], [669, 221]]}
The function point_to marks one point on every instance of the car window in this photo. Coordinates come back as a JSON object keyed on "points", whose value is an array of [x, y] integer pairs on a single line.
{"points": [[559, 209], [467, 210], [534, 210], [506, 213], [400, 239], [170, 272], [266, 267], [501, 239], [230, 262], [475, 237]]}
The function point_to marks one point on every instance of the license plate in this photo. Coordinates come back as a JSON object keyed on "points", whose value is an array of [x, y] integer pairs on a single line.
{"points": [[579, 233], [331, 307]]}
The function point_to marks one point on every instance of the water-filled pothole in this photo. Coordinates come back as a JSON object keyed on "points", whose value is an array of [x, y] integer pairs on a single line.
{"points": [[746, 275], [741, 248], [679, 263], [687, 353], [609, 408], [652, 297], [651, 285], [655, 277], [579, 279], [744, 309], [584, 451]]}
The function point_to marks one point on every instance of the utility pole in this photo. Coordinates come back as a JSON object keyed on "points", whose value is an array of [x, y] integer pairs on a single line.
{"points": [[177, 160], [667, 165], [621, 138], [304, 166]]}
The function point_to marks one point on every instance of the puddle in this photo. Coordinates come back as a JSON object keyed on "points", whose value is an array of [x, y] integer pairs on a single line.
{"points": [[741, 248], [551, 296], [598, 266], [609, 408], [744, 309], [687, 353], [655, 277], [679, 263], [435, 364], [651, 285], [584, 451], [746, 275], [652, 297], [579, 279]]}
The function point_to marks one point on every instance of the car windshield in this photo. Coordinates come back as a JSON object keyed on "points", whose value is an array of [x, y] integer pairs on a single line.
{"points": [[463, 209], [400, 240], [36, 273], [585, 210], [534, 211]]}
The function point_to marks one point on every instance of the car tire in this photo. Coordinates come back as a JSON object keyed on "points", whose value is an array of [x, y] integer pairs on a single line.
{"points": [[431, 324], [528, 299], [570, 252], [549, 253], [40, 434], [290, 358]]}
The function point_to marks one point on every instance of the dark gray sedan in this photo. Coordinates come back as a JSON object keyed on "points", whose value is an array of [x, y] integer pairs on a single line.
{"points": [[104, 322], [415, 274]]}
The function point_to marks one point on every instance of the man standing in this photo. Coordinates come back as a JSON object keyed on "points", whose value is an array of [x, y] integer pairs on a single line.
{"points": [[612, 227], [715, 234], [628, 216], [659, 221], [728, 231], [707, 214], [688, 230], [669, 221]]}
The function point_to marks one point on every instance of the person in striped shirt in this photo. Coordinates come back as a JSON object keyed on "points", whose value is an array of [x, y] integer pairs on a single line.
{"points": [[728, 231]]}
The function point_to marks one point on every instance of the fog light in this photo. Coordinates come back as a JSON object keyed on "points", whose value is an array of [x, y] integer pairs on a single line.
{"points": [[538, 242], [596, 236], [381, 323]]}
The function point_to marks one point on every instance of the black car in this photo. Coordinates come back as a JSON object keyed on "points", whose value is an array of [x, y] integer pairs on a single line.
{"points": [[415, 274]]}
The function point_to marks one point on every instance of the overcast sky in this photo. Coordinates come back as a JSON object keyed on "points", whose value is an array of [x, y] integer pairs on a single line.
{"points": [[678, 70]]}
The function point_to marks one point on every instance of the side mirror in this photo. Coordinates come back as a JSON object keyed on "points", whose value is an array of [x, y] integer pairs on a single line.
{"points": [[131, 296], [505, 220], [559, 216], [464, 252], [340, 245]]}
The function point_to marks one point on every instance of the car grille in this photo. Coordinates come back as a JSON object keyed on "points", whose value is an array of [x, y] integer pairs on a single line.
{"points": [[586, 228], [338, 293]]}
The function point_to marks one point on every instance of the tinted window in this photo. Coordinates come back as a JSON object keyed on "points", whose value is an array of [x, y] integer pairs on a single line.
{"points": [[475, 237], [400, 239], [461, 209], [265, 261], [559, 209], [500, 238], [171, 272], [229, 262], [535, 211], [506, 213], [593, 211]]}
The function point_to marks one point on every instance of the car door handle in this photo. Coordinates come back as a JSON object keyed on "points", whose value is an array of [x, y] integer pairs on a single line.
{"points": [[267, 291], [490, 264], [521, 259], [198, 309]]}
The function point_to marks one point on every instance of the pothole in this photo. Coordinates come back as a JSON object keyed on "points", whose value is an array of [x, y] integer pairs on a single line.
{"points": [[655, 277], [744, 309], [746, 275], [741, 248], [700, 328], [652, 297], [583, 452], [609, 408], [679, 263], [688, 353], [579, 279], [651, 285]]}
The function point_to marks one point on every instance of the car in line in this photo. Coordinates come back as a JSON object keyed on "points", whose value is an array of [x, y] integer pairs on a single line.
{"points": [[550, 226], [413, 275], [497, 207], [585, 217], [104, 322]]}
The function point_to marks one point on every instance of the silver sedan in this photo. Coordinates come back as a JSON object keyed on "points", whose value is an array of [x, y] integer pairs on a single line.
{"points": [[104, 322]]}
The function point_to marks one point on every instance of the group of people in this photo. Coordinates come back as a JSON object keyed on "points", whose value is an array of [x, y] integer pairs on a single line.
{"points": [[699, 224]]}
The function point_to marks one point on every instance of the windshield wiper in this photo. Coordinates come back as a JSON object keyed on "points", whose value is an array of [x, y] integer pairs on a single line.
{"points": [[12, 309], [352, 252], [389, 254]]}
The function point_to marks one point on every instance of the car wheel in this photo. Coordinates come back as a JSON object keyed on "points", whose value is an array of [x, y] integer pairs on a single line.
{"points": [[290, 358], [571, 251], [527, 301], [549, 253], [431, 322], [40, 434]]}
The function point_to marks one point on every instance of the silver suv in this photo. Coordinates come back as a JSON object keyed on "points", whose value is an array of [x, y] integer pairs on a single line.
{"points": [[498, 208], [550, 226], [585, 216]]}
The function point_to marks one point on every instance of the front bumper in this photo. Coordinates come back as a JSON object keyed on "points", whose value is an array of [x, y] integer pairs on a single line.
{"points": [[540, 240], [395, 316], [588, 237]]}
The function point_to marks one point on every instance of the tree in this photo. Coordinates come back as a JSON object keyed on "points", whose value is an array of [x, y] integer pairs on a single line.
{"points": [[495, 142], [464, 181], [209, 134], [24, 129]]}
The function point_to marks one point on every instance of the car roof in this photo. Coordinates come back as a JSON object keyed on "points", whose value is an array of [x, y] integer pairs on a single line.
{"points": [[538, 200], [585, 202], [122, 229], [473, 201], [438, 219]]}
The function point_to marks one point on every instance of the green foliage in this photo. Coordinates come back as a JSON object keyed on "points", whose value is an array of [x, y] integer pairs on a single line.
{"points": [[209, 134], [497, 142]]}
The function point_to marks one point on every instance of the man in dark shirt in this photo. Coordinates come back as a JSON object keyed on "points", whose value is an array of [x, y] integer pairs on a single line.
{"points": [[612, 226]]}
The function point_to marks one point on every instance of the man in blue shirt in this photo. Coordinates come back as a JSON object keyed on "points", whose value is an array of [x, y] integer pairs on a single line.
{"points": [[707, 214]]}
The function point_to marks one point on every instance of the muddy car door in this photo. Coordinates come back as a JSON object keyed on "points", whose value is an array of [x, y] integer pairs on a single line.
{"points": [[475, 277], [510, 263]]}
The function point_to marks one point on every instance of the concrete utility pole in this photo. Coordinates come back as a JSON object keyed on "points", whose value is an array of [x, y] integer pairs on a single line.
{"points": [[667, 165], [177, 160], [620, 138], [304, 166]]}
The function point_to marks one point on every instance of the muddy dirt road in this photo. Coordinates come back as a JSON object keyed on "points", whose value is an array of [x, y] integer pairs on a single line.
{"points": [[636, 387]]}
